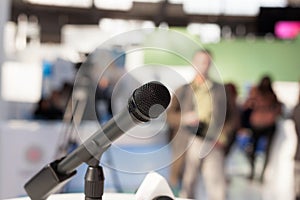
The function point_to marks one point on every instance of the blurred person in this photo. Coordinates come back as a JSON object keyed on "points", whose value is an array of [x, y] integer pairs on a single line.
{"points": [[232, 119], [65, 94], [179, 143], [54, 106], [48, 109], [296, 118], [196, 103], [42, 109], [262, 108], [103, 99], [56, 101]]}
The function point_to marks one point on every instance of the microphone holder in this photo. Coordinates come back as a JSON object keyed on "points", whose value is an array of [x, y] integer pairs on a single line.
{"points": [[94, 181], [49, 180]]}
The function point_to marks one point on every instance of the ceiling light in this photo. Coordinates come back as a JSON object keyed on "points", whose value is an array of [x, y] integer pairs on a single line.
{"points": [[114, 5], [66, 3]]}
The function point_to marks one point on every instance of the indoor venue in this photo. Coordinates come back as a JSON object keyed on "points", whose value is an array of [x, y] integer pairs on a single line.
{"points": [[150, 99]]}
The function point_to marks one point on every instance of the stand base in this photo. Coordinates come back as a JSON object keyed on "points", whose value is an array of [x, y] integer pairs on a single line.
{"points": [[94, 183]]}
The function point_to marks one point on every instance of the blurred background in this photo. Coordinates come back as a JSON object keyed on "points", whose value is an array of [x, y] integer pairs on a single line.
{"points": [[43, 44]]}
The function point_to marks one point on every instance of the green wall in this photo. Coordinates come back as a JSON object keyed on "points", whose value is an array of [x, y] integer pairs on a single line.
{"points": [[242, 61]]}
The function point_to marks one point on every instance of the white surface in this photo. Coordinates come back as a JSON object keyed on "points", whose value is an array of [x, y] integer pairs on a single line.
{"points": [[106, 196], [21, 82], [287, 93], [154, 185]]}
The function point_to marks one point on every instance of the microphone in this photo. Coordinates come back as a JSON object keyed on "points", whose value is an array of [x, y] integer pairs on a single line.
{"points": [[147, 102]]}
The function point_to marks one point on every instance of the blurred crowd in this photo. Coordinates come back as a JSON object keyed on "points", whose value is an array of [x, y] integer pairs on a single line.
{"points": [[194, 119]]}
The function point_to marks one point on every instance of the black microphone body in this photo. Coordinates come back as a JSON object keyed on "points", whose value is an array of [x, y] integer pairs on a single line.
{"points": [[139, 109]]}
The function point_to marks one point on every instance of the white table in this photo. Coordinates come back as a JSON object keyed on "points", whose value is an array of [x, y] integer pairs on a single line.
{"points": [[80, 196]]}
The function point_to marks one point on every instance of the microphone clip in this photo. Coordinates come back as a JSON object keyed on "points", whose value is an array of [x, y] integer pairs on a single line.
{"points": [[47, 181]]}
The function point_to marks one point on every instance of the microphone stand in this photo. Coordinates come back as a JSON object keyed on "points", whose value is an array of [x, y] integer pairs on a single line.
{"points": [[68, 136]]}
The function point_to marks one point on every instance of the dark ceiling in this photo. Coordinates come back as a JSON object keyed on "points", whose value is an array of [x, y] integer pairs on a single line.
{"points": [[53, 18]]}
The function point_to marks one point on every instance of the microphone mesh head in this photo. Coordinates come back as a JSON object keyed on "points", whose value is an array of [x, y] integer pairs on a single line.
{"points": [[151, 99]]}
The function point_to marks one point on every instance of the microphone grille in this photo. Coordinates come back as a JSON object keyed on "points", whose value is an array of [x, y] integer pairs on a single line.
{"points": [[151, 99]]}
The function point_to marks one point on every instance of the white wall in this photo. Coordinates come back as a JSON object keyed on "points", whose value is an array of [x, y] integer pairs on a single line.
{"points": [[25, 147], [4, 16]]}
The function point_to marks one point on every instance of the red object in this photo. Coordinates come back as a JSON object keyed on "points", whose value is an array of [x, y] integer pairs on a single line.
{"points": [[34, 154]]}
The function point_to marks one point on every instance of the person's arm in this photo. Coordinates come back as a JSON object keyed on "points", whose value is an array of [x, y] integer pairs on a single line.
{"points": [[249, 103], [176, 116], [230, 129], [174, 111], [296, 119], [218, 112]]}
